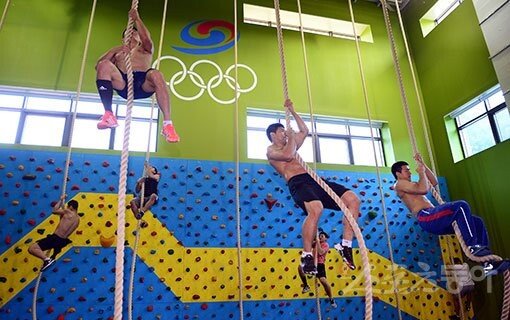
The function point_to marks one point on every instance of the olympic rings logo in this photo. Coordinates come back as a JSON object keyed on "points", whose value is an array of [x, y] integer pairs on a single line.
{"points": [[210, 84]]}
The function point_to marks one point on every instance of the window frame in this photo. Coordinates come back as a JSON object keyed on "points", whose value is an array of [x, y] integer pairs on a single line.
{"points": [[279, 117], [72, 99], [455, 129]]}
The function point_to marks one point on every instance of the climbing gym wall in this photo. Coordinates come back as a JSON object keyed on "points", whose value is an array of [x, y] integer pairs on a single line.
{"points": [[187, 265]]}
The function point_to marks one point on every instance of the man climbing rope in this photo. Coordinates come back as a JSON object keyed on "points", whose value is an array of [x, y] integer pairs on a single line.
{"points": [[69, 221], [150, 195], [306, 192], [438, 220], [111, 74], [322, 251]]}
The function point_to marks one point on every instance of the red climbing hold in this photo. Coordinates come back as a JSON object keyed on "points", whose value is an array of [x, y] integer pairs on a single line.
{"points": [[106, 164], [270, 202], [75, 187]]}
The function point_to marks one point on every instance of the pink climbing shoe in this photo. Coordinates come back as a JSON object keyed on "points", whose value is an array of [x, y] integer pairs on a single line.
{"points": [[108, 120]]}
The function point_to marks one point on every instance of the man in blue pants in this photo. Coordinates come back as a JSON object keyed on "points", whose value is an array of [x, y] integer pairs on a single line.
{"points": [[438, 220]]}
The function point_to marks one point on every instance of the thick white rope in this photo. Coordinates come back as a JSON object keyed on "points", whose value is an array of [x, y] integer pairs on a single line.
{"points": [[377, 166], [435, 192], [313, 174], [34, 300], [147, 158], [238, 170], [121, 207], [4, 13], [70, 138], [428, 140], [314, 141]]}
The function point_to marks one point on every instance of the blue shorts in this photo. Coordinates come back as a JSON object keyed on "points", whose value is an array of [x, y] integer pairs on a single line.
{"points": [[138, 80]]}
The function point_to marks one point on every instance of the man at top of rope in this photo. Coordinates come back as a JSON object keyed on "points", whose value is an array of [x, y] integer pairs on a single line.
{"points": [[322, 251], [69, 221], [307, 193], [438, 219], [111, 74]]}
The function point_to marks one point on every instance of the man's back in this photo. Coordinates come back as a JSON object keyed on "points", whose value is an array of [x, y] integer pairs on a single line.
{"points": [[69, 221]]}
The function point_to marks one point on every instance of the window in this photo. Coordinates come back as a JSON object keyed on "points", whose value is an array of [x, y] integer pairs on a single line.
{"points": [[339, 141], [437, 13], [289, 20], [483, 122], [43, 117]]}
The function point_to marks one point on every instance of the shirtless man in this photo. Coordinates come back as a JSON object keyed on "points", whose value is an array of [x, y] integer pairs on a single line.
{"points": [[111, 74], [438, 220], [69, 221], [307, 193]]}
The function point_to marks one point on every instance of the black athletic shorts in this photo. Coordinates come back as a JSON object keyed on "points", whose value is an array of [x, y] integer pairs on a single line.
{"points": [[54, 242], [138, 80], [321, 270], [304, 189]]}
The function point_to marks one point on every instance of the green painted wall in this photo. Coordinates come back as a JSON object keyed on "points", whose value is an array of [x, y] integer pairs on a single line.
{"points": [[453, 67], [45, 51]]}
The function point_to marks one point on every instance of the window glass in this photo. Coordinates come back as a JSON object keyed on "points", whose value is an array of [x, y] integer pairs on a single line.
{"points": [[257, 144], [306, 151], [334, 151], [48, 104], [259, 122], [10, 101], [10, 121], [495, 100], [362, 131], [143, 111], [477, 137], [43, 130], [502, 118], [333, 128], [89, 107], [138, 136], [334, 136], [363, 152], [86, 135], [48, 112], [471, 113]]}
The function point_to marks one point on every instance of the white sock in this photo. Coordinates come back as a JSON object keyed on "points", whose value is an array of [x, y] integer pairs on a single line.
{"points": [[165, 122], [46, 259], [347, 243], [304, 254]]}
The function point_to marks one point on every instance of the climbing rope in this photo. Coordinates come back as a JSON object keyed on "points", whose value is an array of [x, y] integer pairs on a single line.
{"points": [[238, 170], [506, 298], [313, 174], [314, 143], [4, 13], [121, 206], [34, 300], [377, 167], [70, 137], [147, 158]]}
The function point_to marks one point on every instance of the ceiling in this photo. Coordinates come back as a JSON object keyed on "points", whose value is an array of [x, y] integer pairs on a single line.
{"points": [[391, 3]]}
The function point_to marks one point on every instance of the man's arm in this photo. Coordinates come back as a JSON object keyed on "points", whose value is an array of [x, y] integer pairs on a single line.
{"points": [[322, 251], [421, 187], [139, 183], [144, 33], [430, 175], [301, 135], [57, 208], [110, 54]]}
